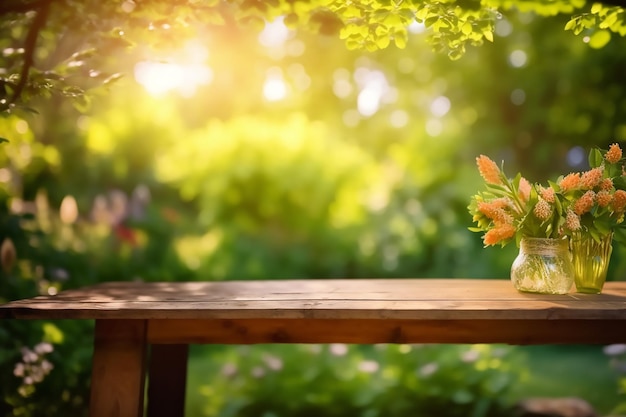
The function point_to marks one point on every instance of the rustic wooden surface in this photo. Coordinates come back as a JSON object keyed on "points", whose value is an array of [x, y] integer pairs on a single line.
{"points": [[400, 299], [371, 331], [118, 371]]}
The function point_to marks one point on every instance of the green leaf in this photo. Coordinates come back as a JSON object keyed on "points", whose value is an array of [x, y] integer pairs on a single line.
{"points": [[393, 19], [352, 12], [619, 234], [571, 24], [609, 21], [602, 226], [52, 334], [595, 158], [456, 54], [620, 183], [422, 14], [400, 39], [3, 140], [557, 206], [599, 39], [382, 42], [466, 28]]}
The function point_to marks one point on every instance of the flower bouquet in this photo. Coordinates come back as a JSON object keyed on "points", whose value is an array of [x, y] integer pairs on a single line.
{"points": [[564, 229]]}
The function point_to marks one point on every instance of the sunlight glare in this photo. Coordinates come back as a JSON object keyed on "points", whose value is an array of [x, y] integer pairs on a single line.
{"points": [[503, 28], [440, 106], [374, 86], [368, 101], [434, 127], [399, 118], [21, 127], [416, 27], [342, 87], [274, 34], [274, 88], [159, 78], [518, 58]]}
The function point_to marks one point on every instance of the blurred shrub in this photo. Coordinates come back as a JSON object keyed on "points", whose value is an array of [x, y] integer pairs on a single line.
{"points": [[48, 244], [617, 355], [343, 380], [291, 198]]}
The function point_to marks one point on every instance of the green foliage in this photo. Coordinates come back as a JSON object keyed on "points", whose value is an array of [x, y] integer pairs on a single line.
{"points": [[248, 177], [42, 57], [340, 380], [454, 27], [617, 355], [600, 21]]}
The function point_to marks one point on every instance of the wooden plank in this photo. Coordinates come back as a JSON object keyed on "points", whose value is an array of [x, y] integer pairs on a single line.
{"points": [[167, 380], [597, 309], [354, 299], [249, 331], [394, 289], [118, 373], [357, 289]]}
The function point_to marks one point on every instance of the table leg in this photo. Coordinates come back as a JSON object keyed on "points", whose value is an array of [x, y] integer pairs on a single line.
{"points": [[118, 372], [167, 380]]}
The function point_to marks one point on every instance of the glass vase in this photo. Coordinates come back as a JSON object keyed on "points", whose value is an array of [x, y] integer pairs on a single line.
{"points": [[543, 266], [591, 262]]}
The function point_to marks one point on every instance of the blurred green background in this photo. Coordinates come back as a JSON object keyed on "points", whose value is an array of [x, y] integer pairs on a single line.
{"points": [[276, 154]]}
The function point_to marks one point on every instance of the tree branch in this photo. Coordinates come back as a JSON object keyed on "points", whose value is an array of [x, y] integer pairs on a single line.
{"points": [[30, 45], [20, 7]]}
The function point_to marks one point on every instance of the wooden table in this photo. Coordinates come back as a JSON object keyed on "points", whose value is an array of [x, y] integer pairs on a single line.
{"points": [[150, 325]]}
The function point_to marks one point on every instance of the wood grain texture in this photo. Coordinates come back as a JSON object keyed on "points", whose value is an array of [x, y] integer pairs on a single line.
{"points": [[373, 331], [118, 372], [363, 299]]}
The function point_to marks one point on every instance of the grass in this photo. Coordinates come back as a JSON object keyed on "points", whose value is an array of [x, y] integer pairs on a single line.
{"points": [[569, 371]]}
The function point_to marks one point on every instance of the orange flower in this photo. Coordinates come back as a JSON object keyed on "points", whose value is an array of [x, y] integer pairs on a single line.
{"points": [[495, 212], [614, 154], [501, 202], [606, 184], [570, 182], [591, 178], [488, 170], [572, 221], [604, 198], [524, 189], [584, 203], [619, 200], [498, 234], [542, 210], [547, 194]]}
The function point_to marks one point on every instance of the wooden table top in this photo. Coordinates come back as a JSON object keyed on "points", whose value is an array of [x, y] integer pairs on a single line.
{"points": [[393, 299]]}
